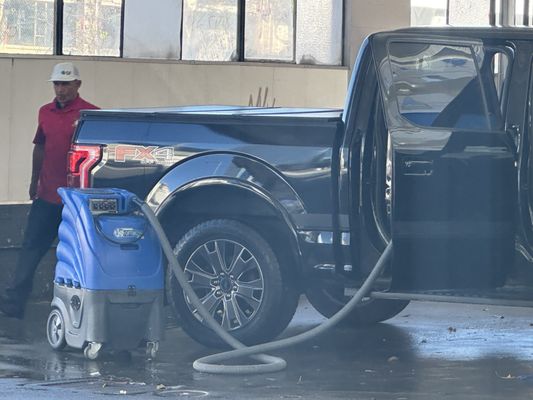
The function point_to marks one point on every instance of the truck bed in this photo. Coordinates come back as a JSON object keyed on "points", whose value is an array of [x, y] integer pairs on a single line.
{"points": [[297, 143]]}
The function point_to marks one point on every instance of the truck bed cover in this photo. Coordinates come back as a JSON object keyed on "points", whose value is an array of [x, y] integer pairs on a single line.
{"points": [[316, 114]]}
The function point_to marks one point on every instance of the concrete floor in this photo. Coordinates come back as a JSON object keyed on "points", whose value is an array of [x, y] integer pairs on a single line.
{"points": [[430, 351]]}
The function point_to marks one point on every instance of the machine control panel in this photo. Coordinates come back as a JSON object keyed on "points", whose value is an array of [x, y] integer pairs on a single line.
{"points": [[99, 206]]}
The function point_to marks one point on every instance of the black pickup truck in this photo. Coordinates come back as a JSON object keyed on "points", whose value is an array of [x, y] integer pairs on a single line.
{"points": [[431, 151]]}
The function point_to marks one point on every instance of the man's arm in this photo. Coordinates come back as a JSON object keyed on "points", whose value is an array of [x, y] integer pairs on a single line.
{"points": [[37, 163]]}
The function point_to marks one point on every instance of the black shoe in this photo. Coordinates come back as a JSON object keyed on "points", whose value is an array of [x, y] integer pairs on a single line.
{"points": [[10, 309]]}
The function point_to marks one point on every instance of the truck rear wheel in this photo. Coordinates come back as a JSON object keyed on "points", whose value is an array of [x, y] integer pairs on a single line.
{"points": [[238, 278], [329, 299]]}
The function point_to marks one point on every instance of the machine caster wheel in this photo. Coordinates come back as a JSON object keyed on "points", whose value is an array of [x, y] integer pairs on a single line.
{"points": [[151, 349], [92, 350], [55, 329]]}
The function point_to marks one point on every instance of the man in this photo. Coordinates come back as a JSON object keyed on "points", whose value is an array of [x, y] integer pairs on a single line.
{"points": [[56, 124]]}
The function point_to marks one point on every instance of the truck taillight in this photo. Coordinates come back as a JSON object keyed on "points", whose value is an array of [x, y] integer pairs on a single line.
{"points": [[81, 159]]}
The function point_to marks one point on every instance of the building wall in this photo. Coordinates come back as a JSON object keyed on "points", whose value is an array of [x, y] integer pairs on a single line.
{"points": [[120, 83]]}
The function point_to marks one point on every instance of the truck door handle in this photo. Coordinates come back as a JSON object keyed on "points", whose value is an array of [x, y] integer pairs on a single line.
{"points": [[417, 167]]}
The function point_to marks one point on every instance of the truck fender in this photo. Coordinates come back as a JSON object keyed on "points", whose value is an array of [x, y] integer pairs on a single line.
{"points": [[252, 173], [231, 170]]}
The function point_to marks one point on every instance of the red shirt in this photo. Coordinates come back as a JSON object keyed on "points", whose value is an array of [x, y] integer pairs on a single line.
{"points": [[55, 130]]}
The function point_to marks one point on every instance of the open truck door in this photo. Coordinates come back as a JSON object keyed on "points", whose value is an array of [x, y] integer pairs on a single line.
{"points": [[453, 177]]}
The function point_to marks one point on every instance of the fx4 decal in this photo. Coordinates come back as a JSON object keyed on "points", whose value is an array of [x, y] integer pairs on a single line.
{"points": [[143, 154]]}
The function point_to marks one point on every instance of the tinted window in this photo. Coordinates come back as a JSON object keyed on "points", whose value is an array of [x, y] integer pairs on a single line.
{"points": [[438, 85]]}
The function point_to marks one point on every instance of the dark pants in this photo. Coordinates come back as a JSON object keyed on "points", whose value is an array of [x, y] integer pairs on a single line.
{"points": [[40, 233]]}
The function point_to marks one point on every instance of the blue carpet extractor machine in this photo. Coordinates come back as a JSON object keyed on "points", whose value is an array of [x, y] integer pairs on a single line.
{"points": [[108, 285]]}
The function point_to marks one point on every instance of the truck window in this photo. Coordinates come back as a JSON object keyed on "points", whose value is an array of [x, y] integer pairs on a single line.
{"points": [[439, 86]]}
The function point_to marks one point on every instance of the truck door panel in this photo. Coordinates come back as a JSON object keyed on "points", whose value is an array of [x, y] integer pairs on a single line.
{"points": [[453, 165]]}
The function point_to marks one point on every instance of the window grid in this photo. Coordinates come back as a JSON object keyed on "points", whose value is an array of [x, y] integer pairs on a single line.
{"points": [[281, 37]]}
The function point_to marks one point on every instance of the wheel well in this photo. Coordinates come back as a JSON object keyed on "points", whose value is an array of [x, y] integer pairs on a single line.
{"points": [[194, 206]]}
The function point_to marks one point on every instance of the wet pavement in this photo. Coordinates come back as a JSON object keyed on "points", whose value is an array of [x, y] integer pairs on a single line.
{"points": [[429, 351]]}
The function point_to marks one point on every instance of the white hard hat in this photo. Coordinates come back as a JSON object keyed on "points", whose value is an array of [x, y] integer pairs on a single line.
{"points": [[64, 72]]}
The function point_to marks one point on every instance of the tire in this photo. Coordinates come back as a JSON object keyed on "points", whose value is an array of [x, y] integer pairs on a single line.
{"points": [[235, 272], [329, 299], [55, 329]]}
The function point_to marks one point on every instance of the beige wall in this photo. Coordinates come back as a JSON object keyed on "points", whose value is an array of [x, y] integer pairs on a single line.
{"points": [[363, 17], [127, 83]]}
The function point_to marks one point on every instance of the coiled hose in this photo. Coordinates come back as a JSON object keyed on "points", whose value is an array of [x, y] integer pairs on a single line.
{"points": [[211, 364]]}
